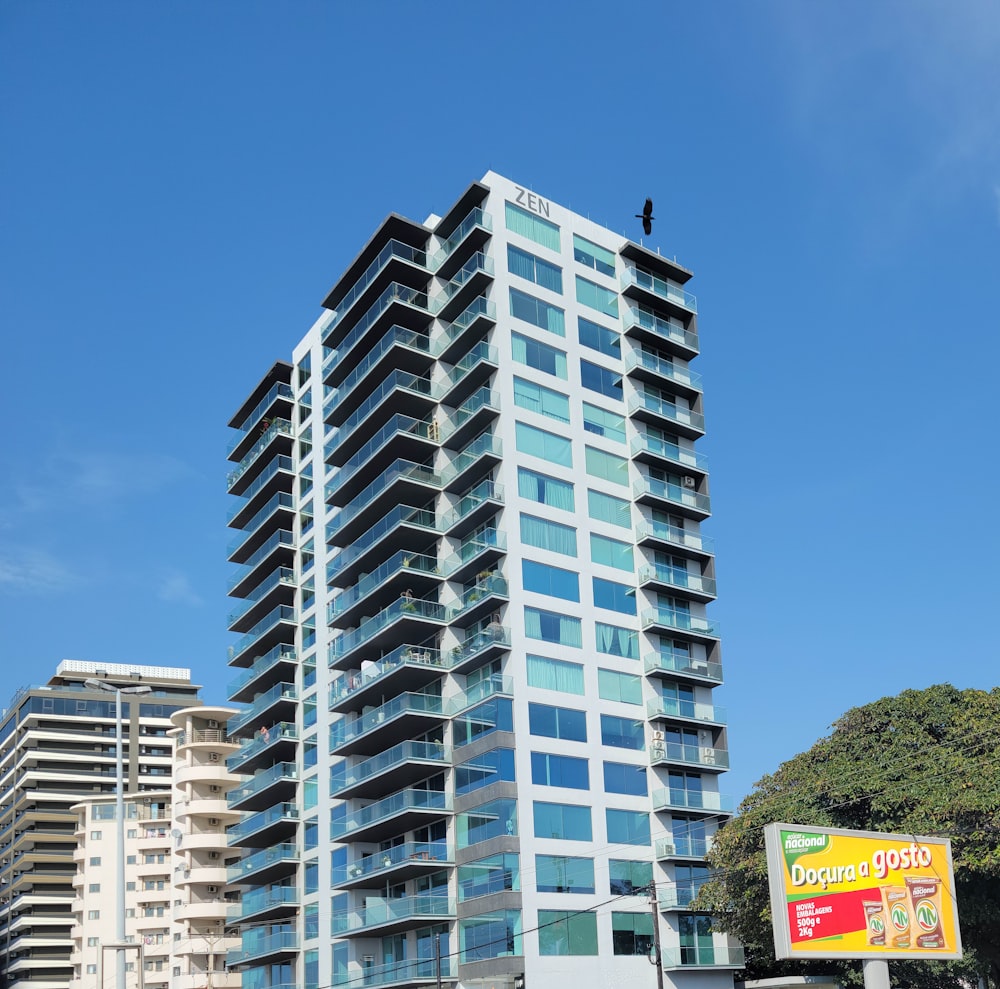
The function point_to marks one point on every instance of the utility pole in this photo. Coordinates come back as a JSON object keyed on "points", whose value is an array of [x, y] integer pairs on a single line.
{"points": [[657, 958], [437, 959]]}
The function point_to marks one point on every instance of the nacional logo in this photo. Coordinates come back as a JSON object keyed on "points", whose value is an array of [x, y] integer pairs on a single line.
{"points": [[927, 915], [876, 925], [899, 917]]}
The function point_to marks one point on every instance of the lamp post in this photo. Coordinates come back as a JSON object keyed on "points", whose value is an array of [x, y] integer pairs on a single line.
{"points": [[119, 822]]}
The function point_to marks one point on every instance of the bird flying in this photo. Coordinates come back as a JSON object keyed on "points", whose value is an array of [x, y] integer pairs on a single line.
{"points": [[647, 217]]}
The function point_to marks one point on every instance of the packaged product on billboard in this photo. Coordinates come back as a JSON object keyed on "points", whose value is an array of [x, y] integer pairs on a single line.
{"points": [[861, 894]]}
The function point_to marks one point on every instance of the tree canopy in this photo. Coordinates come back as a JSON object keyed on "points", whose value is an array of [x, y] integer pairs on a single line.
{"points": [[924, 762]]}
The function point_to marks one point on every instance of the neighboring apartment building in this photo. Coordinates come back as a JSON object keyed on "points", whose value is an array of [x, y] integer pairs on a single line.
{"points": [[469, 511], [57, 747]]}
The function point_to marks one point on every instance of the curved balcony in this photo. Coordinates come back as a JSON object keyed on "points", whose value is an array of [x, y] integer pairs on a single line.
{"points": [[276, 552], [692, 802], [388, 916], [683, 498], [403, 528], [403, 764], [404, 574], [405, 716], [274, 705], [472, 371], [277, 627], [656, 368], [683, 665], [659, 451], [714, 957], [276, 665], [277, 588], [395, 864], [643, 324], [209, 911], [471, 233], [700, 756], [405, 620], [273, 743], [217, 978], [408, 668], [273, 786], [262, 905], [670, 578], [672, 620], [473, 508], [395, 814], [470, 281], [277, 513], [265, 866], [473, 323], [661, 535], [278, 475], [267, 828], [276, 440]]}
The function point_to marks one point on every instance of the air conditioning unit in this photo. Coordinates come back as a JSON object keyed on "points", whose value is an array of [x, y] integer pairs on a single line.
{"points": [[213, 855], [215, 789], [689, 482], [214, 821], [657, 752], [658, 736], [212, 723], [212, 889], [213, 756]]}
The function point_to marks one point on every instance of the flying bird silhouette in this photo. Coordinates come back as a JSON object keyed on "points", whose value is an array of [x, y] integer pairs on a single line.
{"points": [[647, 217]]}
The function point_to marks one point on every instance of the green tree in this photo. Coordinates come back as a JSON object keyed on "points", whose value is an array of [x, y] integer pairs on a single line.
{"points": [[925, 762]]}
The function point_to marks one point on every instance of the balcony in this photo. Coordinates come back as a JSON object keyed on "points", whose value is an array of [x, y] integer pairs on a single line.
{"points": [[278, 626], [471, 418], [691, 802], [276, 665], [409, 971], [666, 453], [265, 828], [276, 743], [478, 555], [672, 537], [656, 368], [680, 896], [700, 756], [685, 710], [278, 475], [684, 665], [277, 437], [478, 318], [266, 904], [395, 814], [657, 409], [266, 948], [479, 648], [675, 620], [278, 403], [473, 370], [408, 668], [644, 284], [385, 916], [473, 231], [404, 528], [273, 786], [488, 593], [264, 866], [682, 498], [417, 574], [405, 620], [730, 956], [405, 716], [662, 575], [395, 864], [402, 437], [470, 281], [277, 551], [403, 764], [645, 325], [682, 848], [479, 504], [278, 512], [278, 588]]}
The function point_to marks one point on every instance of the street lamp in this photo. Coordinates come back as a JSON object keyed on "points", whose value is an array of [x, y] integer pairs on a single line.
{"points": [[119, 821]]}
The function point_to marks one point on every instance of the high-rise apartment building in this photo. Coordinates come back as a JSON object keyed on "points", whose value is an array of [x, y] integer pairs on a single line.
{"points": [[57, 747], [475, 642]]}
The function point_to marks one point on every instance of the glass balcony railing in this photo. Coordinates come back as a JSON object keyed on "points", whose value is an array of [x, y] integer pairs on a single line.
{"points": [[281, 500], [277, 427], [494, 685], [279, 692], [668, 450], [268, 899], [395, 973], [281, 771], [255, 945], [350, 683], [682, 847], [344, 731], [678, 619], [400, 515], [283, 575], [484, 445], [479, 353], [386, 911], [477, 218], [279, 654], [276, 466], [396, 380], [381, 810], [395, 336], [285, 852], [279, 390], [391, 858], [477, 308], [237, 834], [663, 287], [280, 538], [400, 469], [661, 406], [479, 262], [666, 798], [484, 491], [483, 540], [394, 293], [689, 755], [343, 777], [704, 956], [399, 424], [397, 563], [394, 249], [676, 535], [673, 707], [663, 328], [663, 366], [403, 608], [681, 895], [283, 613], [676, 493], [491, 586], [677, 577], [683, 663]]}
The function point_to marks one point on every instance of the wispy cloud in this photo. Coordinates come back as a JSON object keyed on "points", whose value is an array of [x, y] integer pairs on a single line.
{"points": [[35, 571], [175, 588]]}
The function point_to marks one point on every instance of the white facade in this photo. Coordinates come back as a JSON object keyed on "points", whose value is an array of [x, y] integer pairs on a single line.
{"points": [[477, 629]]}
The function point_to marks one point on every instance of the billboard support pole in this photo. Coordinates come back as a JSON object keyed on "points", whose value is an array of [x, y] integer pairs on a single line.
{"points": [[876, 973]]}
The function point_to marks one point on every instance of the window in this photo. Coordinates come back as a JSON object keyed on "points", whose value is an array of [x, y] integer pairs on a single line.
{"points": [[599, 338], [95, 835], [622, 733], [95, 860], [490, 935], [540, 443], [620, 777], [601, 422], [626, 688], [593, 255], [91, 967], [615, 641], [608, 466], [93, 915], [540, 578], [601, 379], [555, 674], [486, 821], [496, 874], [614, 596], [557, 722], [628, 876], [545, 490], [538, 398], [550, 626], [488, 767], [534, 269], [569, 822], [611, 553], [553, 536], [496, 714], [632, 933], [548, 769], [562, 933], [544, 315], [597, 297], [130, 885], [607, 508], [564, 874], [311, 880], [543, 232], [540, 356]]}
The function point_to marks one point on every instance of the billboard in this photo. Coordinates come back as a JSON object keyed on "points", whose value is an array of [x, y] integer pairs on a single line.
{"points": [[860, 894]]}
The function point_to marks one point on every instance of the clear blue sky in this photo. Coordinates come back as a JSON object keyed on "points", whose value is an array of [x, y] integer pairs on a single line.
{"points": [[181, 183]]}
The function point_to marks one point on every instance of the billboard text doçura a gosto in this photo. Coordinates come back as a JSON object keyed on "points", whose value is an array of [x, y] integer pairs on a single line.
{"points": [[860, 894]]}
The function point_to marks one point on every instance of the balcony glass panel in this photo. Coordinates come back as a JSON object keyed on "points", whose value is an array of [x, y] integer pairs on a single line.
{"points": [[663, 287], [399, 469], [672, 492], [667, 797], [405, 607], [667, 409], [478, 307], [677, 577], [279, 390], [664, 367], [345, 776], [394, 293], [409, 799], [346, 731], [277, 465], [397, 562], [285, 852], [478, 262], [674, 534], [279, 771], [277, 427], [419, 851], [237, 833], [400, 515], [283, 613], [477, 218], [637, 316], [350, 683], [394, 249], [682, 620]]}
